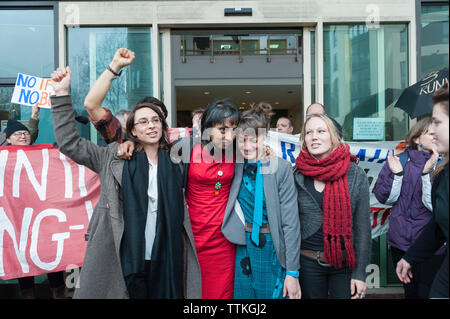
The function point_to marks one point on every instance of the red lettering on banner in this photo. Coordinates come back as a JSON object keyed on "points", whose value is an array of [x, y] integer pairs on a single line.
{"points": [[386, 214], [42, 224], [375, 211]]}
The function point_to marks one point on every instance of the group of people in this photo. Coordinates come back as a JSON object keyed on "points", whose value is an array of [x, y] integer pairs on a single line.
{"points": [[199, 223]]}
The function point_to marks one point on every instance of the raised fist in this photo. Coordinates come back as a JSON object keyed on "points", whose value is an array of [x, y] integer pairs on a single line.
{"points": [[35, 110], [61, 80], [122, 58]]}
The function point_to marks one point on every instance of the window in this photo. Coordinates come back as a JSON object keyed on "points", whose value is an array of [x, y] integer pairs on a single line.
{"points": [[365, 71], [28, 37], [313, 66], [253, 43], [90, 51], [434, 38], [28, 32]]}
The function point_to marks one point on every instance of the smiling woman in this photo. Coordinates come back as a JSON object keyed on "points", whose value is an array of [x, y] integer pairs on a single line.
{"points": [[268, 241], [146, 125], [333, 201], [138, 237], [435, 233]]}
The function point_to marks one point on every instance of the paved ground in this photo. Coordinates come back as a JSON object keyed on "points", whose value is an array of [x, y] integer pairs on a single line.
{"points": [[385, 293], [11, 291]]}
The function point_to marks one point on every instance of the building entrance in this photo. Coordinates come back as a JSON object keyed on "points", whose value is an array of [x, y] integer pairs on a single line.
{"points": [[245, 66]]}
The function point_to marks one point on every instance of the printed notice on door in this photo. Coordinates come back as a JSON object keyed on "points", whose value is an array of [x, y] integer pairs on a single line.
{"points": [[368, 128]]}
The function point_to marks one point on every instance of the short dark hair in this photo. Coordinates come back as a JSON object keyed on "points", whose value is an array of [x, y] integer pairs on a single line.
{"points": [[217, 112], [441, 96], [153, 100], [285, 117]]}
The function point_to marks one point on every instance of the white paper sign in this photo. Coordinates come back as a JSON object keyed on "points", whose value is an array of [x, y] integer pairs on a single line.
{"points": [[31, 90], [368, 128]]}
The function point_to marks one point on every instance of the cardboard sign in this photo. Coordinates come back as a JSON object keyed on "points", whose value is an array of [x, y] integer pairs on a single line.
{"points": [[32, 90]]}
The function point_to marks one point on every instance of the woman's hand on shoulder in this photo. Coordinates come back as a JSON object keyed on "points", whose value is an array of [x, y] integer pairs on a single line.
{"points": [[268, 153], [125, 150]]}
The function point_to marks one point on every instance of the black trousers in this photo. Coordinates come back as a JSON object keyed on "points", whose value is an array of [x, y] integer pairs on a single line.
{"points": [[55, 280], [439, 288], [423, 275], [138, 285], [321, 282]]}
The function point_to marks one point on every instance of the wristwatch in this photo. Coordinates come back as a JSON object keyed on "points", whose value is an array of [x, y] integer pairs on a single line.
{"points": [[116, 75]]}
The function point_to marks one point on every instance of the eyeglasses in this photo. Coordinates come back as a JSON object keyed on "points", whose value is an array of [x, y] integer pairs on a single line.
{"points": [[19, 134], [145, 122]]}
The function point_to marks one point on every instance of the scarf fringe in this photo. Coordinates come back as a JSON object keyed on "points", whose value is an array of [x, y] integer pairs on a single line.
{"points": [[351, 259], [337, 214]]}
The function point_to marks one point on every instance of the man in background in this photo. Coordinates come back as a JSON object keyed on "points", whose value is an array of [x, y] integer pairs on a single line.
{"points": [[317, 108], [284, 125]]}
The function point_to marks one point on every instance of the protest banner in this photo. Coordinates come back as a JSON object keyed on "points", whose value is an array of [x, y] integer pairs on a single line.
{"points": [[178, 132], [32, 90], [46, 201]]}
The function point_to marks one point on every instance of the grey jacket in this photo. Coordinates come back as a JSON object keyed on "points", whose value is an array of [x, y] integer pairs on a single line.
{"points": [[33, 126], [282, 211], [101, 275], [311, 216]]}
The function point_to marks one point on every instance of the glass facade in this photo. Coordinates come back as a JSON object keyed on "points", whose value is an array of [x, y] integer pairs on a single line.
{"points": [[365, 71], [434, 38], [90, 50], [29, 36]]}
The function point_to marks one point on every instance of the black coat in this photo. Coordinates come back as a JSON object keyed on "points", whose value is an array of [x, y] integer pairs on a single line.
{"points": [[435, 233]]}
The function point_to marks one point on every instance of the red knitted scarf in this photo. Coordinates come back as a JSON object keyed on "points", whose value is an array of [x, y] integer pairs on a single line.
{"points": [[337, 210]]}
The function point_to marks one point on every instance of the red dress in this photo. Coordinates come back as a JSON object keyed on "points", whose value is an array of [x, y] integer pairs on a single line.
{"points": [[216, 254]]}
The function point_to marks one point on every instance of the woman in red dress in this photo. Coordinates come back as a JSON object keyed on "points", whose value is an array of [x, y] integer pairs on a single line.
{"points": [[209, 176], [208, 171]]}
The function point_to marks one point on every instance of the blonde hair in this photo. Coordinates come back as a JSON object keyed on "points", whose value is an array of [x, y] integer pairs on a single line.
{"points": [[334, 134]]}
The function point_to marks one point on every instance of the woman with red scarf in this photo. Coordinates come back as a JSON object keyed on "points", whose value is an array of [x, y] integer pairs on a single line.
{"points": [[333, 198]]}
